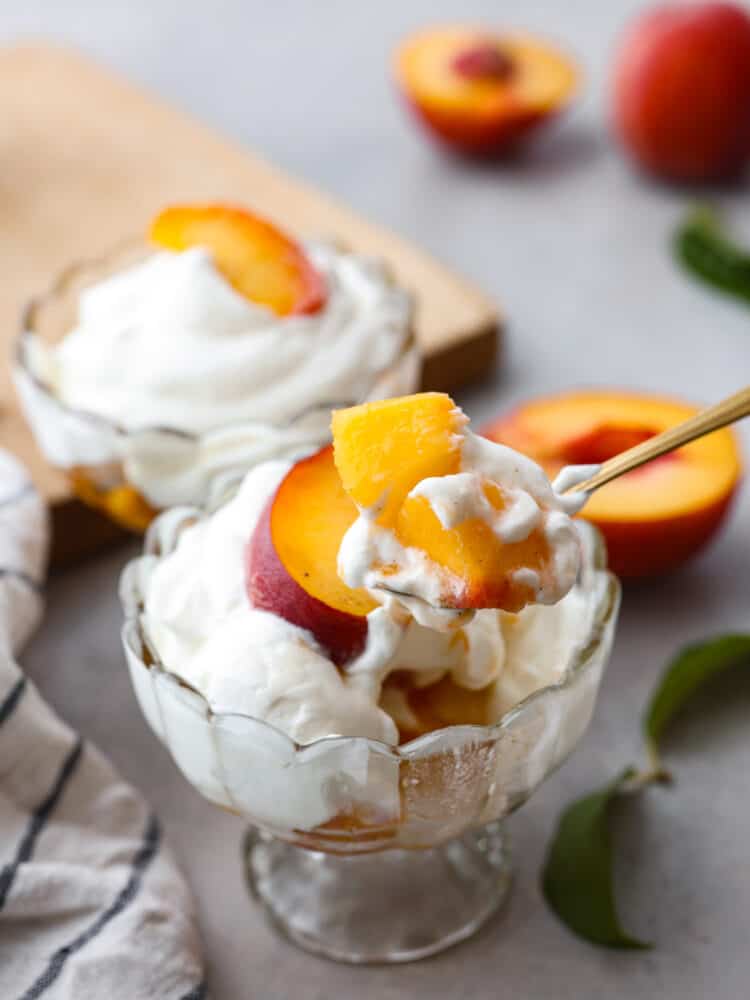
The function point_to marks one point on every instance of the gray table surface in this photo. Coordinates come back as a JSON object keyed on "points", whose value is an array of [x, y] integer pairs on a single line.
{"points": [[574, 246]]}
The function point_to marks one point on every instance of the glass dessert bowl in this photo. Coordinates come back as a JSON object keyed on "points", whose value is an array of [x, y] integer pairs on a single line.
{"points": [[152, 378], [376, 798]]}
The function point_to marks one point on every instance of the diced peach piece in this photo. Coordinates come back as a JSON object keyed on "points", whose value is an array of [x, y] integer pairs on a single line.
{"points": [[652, 519], [383, 449], [483, 567], [256, 258], [291, 558], [480, 91]]}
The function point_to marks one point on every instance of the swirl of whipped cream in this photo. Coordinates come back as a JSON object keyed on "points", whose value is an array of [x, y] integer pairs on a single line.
{"points": [[169, 343], [199, 380], [197, 618]]}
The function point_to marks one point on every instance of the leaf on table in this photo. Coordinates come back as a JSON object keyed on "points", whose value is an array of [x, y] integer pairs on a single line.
{"points": [[692, 668], [703, 248], [577, 880]]}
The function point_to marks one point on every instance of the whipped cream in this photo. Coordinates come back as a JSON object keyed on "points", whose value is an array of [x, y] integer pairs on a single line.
{"points": [[531, 504], [200, 382], [197, 619], [169, 343]]}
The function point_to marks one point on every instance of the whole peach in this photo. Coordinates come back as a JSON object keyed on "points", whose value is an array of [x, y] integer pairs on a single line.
{"points": [[681, 100]]}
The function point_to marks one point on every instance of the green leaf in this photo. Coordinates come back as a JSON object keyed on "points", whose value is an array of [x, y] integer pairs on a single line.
{"points": [[687, 673], [577, 879], [704, 250]]}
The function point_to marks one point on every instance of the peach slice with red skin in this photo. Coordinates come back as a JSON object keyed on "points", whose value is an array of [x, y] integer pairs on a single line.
{"points": [[479, 91], [290, 560], [256, 258], [652, 519]]}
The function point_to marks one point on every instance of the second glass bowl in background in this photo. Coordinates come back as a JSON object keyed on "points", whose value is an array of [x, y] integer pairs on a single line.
{"points": [[132, 474]]}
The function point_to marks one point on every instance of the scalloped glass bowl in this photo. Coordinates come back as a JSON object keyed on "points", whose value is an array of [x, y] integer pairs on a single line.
{"points": [[333, 854], [131, 475]]}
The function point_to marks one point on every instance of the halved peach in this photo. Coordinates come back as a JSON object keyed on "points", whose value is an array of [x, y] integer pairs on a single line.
{"points": [[290, 560], [479, 90], [655, 518], [383, 450], [256, 258]]}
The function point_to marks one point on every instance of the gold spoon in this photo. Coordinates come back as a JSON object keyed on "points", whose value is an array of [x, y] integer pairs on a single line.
{"points": [[711, 419]]}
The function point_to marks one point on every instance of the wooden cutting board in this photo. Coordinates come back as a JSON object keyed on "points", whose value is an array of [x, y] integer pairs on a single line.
{"points": [[87, 158]]}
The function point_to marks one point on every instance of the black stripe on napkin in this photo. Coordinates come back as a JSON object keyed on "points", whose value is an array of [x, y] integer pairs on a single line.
{"points": [[146, 853], [197, 993], [8, 704], [38, 820], [17, 574]]}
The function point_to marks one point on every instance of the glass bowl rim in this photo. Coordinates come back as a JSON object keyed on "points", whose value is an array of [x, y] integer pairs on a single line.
{"points": [[134, 639], [60, 285]]}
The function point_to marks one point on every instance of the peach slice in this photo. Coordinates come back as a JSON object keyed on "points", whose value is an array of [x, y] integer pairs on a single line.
{"points": [[383, 450], [256, 258], [480, 91], [473, 554], [655, 518], [290, 560]]}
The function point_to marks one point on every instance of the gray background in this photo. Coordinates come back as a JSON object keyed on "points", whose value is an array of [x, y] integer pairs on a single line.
{"points": [[575, 248]]}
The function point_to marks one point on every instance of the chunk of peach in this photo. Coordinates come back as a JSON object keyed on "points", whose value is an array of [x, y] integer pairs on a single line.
{"points": [[383, 450], [256, 258], [483, 567]]}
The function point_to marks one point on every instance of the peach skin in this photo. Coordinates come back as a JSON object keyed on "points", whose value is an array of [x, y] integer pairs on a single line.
{"points": [[681, 95]]}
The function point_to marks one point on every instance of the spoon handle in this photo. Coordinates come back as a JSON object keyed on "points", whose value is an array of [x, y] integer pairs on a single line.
{"points": [[711, 419]]}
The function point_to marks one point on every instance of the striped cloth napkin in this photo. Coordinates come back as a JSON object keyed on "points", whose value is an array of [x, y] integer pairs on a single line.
{"points": [[92, 906]]}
